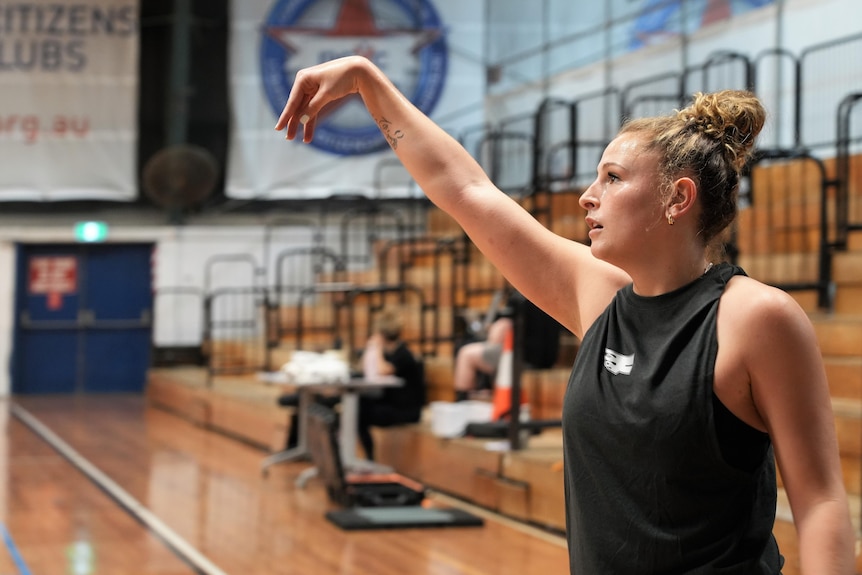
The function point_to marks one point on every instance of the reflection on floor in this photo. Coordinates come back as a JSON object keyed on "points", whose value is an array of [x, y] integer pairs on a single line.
{"points": [[207, 489]]}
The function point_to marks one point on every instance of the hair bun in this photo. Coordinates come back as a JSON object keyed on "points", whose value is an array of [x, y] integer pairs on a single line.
{"points": [[732, 117]]}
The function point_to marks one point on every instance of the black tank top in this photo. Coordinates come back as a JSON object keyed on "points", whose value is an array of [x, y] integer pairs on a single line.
{"points": [[647, 487]]}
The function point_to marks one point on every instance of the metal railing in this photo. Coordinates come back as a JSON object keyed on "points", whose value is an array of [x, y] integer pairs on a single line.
{"points": [[848, 145], [782, 234], [296, 269], [235, 335], [442, 256]]}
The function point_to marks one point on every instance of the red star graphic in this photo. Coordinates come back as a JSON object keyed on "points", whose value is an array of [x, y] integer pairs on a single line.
{"points": [[355, 19]]}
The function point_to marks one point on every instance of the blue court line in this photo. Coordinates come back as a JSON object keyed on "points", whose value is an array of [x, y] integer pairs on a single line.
{"points": [[13, 551]]}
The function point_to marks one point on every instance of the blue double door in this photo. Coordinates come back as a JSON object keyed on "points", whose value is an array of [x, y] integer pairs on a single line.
{"points": [[83, 319]]}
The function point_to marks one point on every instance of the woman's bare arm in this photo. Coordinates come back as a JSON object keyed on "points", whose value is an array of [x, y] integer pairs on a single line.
{"points": [[791, 396], [558, 275]]}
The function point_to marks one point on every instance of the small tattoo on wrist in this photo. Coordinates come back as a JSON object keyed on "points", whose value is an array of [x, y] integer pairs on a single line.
{"points": [[392, 135]]}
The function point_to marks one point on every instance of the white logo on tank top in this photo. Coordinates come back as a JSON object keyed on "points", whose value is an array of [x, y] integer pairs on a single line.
{"points": [[617, 363]]}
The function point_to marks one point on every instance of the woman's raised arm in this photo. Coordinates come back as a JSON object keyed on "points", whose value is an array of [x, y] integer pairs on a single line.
{"points": [[558, 275]]}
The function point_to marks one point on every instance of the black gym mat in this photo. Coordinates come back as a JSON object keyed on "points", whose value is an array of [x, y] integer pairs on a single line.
{"points": [[401, 518]]}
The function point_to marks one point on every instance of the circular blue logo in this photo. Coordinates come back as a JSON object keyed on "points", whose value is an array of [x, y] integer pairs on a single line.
{"points": [[405, 38]]}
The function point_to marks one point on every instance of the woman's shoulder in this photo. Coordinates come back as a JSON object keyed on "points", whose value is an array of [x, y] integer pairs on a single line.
{"points": [[750, 303]]}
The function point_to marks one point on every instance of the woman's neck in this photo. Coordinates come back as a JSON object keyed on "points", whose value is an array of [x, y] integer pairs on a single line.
{"points": [[657, 279]]}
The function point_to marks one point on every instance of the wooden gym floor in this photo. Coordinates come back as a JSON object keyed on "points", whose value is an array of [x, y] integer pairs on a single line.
{"points": [[108, 484]]}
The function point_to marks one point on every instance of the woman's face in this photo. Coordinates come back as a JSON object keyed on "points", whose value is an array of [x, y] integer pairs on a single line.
{"points": [[623, 204]]}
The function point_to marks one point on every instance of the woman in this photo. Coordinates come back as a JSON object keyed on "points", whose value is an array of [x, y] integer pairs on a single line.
{"points": [[387, 354], [688, 375]]}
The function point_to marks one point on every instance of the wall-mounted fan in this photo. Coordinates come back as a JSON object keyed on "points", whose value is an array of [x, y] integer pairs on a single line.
{"points": [[180, 177]]}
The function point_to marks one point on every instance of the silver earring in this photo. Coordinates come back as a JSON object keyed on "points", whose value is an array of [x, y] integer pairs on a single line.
{"points": [[670, 219]]}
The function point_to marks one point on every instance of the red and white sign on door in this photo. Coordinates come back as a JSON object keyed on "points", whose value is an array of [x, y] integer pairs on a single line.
{"points": [[54, 277]]}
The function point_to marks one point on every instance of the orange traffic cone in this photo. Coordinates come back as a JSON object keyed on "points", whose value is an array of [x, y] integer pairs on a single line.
{"points": [[503, 381]]}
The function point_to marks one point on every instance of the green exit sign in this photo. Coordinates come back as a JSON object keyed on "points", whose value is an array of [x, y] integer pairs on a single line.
{"points": [[91, 231]]}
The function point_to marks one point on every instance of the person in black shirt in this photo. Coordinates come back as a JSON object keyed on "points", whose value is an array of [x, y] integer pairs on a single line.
{"points": [[658, 478], [387, 354]]}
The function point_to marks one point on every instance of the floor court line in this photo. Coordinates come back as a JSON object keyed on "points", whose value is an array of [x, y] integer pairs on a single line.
{"points": [[179, 545], [13, 551]]}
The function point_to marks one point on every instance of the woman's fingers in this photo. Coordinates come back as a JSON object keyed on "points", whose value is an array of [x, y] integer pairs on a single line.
{"points": [[286, 114], [313, 89], [295, 110]]}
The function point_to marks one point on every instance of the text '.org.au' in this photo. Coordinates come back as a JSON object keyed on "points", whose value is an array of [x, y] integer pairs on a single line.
{"points": [[31, 128]]}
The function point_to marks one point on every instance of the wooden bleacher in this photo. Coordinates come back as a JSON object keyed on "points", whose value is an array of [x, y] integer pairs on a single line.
{"points": [[527, 484], [238, 406]]}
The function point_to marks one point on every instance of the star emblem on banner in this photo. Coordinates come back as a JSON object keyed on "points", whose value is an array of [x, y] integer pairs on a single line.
{"points": [[408, 47]]}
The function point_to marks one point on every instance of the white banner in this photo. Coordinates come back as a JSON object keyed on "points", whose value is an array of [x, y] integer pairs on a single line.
{"points": [[431, 49], [68, 99]]}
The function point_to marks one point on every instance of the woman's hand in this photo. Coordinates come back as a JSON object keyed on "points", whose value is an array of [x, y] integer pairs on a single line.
{"points": [[314, 88]]}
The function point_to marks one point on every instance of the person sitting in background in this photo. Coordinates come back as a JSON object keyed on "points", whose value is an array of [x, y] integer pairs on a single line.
{"points": [[386, 354], [478, 360], [480, 357]]}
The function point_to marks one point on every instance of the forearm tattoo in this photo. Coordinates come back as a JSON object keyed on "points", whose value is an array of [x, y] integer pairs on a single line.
{"points": [[392, 135]]}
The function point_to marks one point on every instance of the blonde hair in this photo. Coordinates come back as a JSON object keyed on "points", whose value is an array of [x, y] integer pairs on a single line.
{"points": [[389, 324], [710, 141]]}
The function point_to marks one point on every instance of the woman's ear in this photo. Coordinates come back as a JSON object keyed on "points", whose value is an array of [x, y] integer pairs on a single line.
{"points": [[681, 201]]}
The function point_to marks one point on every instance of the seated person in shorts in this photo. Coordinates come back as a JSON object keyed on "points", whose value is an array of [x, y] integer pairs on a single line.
{"points": [[476, 362], [480, 357]]}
